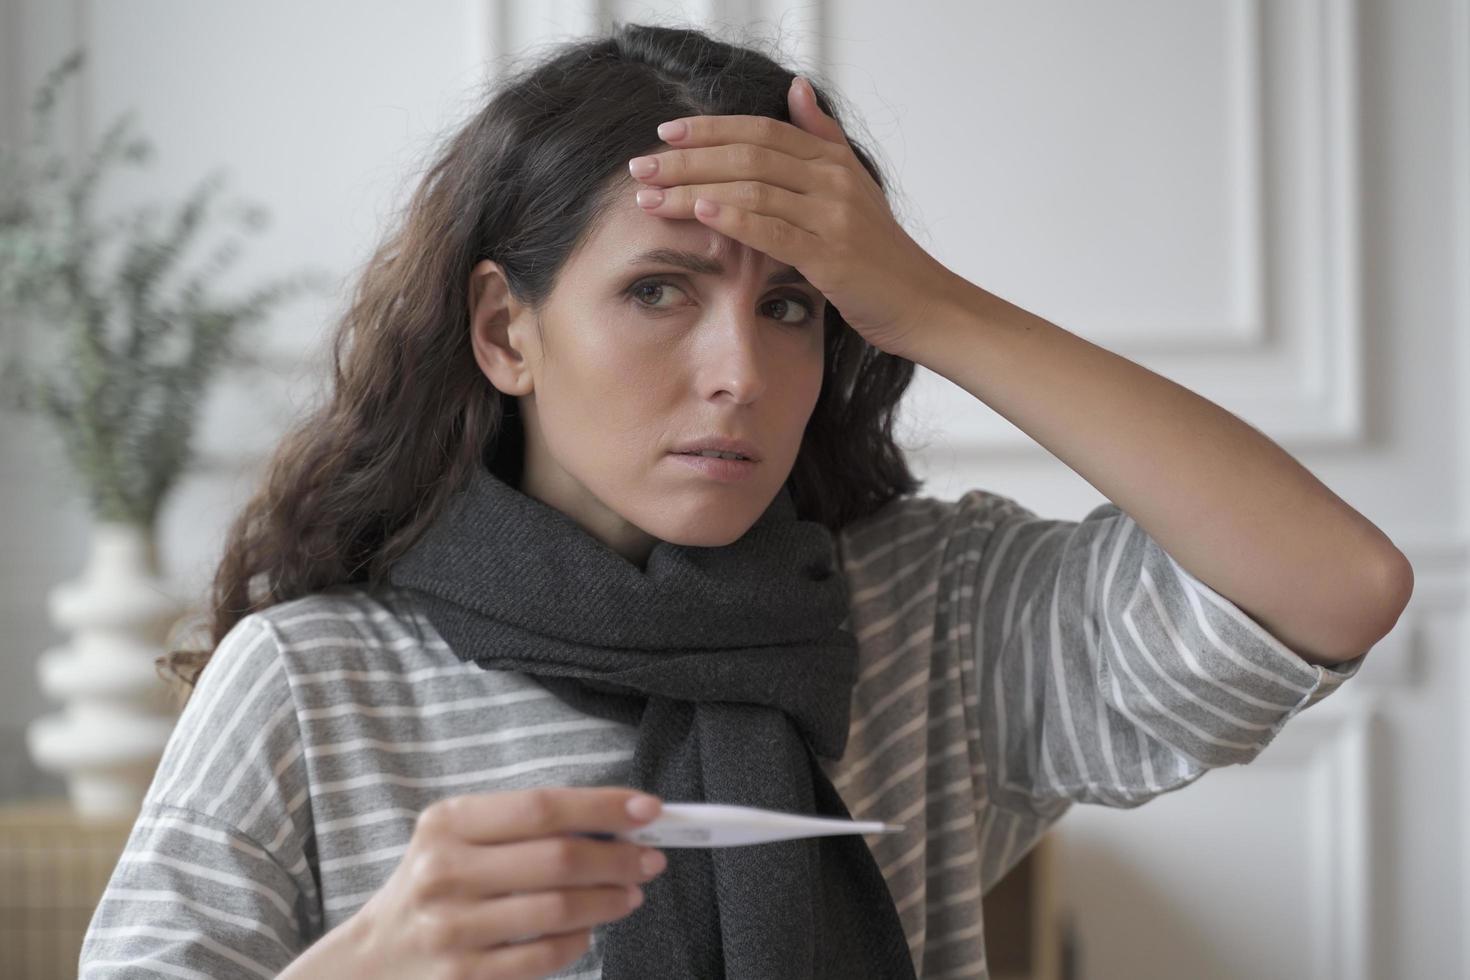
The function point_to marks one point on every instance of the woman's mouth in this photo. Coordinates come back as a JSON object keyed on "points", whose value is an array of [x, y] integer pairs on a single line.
{"points": [[717, 467]]}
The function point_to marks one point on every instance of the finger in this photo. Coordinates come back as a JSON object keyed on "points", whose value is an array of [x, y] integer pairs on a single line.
{"points": [[485, 871], [801, 102], [523, 918], [734, 161], [498, 817], [765, 131], [776, 237], [535, 914], [554, 862], [526, 961], [801, 210]]}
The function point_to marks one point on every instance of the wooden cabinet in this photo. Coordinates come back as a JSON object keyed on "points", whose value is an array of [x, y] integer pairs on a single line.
{"points": [[53, 868], [1027, 936]]}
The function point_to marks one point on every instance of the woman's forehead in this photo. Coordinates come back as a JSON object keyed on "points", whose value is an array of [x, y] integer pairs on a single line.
{"points": [[642, 238]]}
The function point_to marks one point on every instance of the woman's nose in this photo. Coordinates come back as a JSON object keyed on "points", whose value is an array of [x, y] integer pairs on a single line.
{"points": [[736, 361]]}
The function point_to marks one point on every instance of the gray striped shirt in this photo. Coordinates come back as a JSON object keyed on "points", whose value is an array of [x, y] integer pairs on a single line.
{"points": [[1009, 666]]}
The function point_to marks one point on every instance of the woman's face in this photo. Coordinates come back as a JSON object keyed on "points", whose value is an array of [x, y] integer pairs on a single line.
{"points": [[639, 355]]}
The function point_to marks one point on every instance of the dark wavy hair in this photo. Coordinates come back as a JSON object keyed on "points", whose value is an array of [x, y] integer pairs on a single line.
{"points": [[410, 413]]}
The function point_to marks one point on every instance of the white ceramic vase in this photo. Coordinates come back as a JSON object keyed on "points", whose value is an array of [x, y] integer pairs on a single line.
{"points": [[118, 714]]}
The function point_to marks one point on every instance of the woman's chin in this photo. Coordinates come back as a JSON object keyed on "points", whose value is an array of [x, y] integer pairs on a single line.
{"points": [[705, 537], [704, 525]]}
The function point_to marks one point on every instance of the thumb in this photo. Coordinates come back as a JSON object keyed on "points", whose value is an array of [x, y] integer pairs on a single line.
{"points": [[806, 114]]}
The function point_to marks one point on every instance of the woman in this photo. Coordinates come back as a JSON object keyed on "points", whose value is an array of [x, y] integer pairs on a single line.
{"points": [[487, 598]]}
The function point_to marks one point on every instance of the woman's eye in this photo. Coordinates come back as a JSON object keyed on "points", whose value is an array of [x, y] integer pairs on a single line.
{"points": [[806, 308], [647, 291], [640, 289]]}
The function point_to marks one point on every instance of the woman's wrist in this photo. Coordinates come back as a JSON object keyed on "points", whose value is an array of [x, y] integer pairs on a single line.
{"points": [[335, 954]]}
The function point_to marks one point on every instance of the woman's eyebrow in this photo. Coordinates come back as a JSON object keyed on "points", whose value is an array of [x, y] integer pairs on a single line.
{"points": [[704, 265]]}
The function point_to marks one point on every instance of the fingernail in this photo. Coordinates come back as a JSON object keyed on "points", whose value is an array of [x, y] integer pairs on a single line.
{"points": [[676, 130], [653, 862], [650, 197], [642, 807], [642, 166]]}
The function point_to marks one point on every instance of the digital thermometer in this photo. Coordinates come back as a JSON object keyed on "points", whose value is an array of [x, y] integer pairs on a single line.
{"points": [[723, 825]]}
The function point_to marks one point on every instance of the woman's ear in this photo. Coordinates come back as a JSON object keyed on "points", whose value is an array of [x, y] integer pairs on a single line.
{"points": [[502, 334]]}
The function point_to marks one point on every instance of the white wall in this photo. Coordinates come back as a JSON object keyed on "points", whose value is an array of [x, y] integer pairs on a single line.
{"points": [[321, 113], [1268, 202]]}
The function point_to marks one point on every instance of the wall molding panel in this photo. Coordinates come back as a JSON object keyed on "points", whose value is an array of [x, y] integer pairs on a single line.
{"points": [[1332, 746], [1293, 319]]}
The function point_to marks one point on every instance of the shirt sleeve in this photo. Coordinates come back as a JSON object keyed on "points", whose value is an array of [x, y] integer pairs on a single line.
{"points": [[1105, 672], [214, 879]]}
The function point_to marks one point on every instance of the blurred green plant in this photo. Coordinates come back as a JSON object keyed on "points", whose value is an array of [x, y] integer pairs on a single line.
{"points": [[115, 359]]}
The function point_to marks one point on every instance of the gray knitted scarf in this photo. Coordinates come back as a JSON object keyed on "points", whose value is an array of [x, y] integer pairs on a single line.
{"points": [[733, 663]]}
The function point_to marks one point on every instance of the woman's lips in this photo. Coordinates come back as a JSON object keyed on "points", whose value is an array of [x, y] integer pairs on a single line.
{"points": [[715, 468]]}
